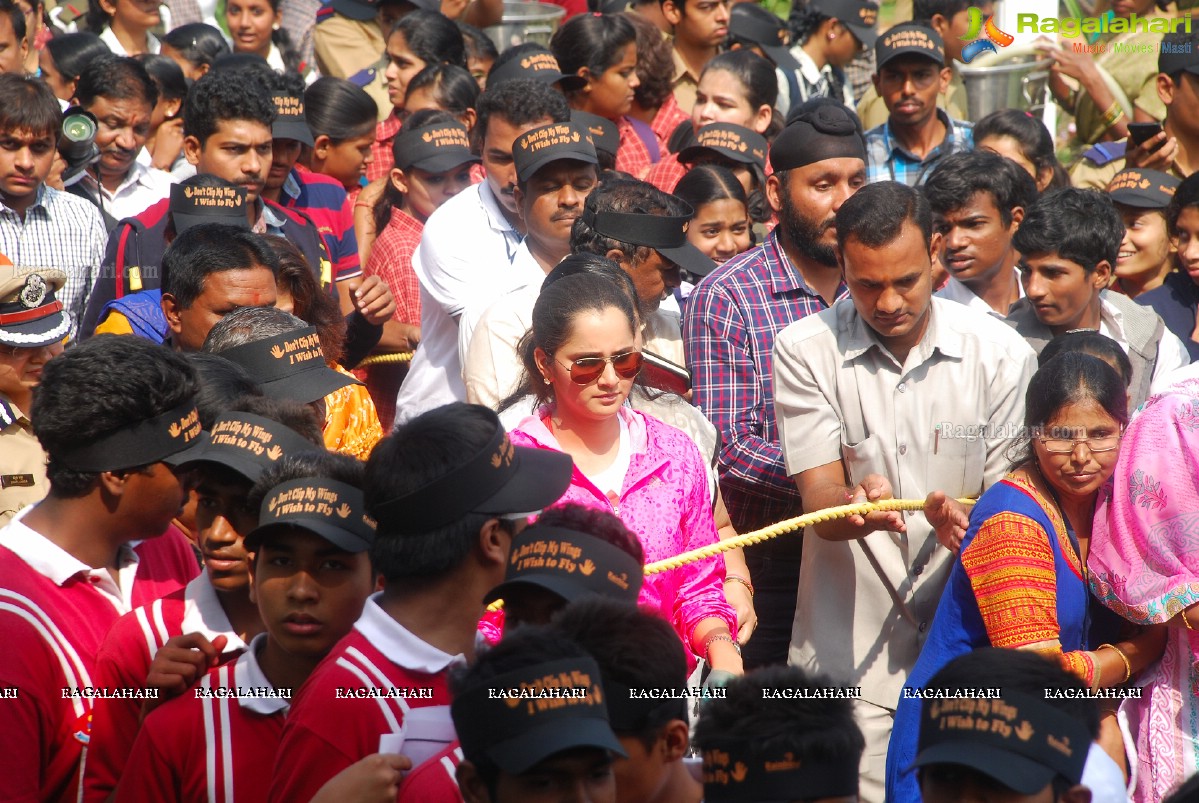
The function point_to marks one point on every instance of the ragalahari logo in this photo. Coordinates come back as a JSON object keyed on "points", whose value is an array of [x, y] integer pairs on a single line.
{"points": [[991, 36]]}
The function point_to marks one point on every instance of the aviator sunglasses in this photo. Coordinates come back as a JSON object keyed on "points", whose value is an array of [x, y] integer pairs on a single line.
{"points": [[586, 370]]}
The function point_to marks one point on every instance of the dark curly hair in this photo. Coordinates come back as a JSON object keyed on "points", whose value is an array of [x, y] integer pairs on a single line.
{"points": [[226, 95], [104, 384]]}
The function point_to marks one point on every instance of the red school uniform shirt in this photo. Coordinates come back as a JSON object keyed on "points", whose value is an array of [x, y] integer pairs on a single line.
{"points": [[666, 174], [207, 747], [669, 117], [359, 692], [434, 780], [382, 159], [124, 662], [54, 614], [632, 156], [391, 261]]}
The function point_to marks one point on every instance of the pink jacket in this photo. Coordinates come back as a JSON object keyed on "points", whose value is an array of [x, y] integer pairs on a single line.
{"points": [[665, 501]]}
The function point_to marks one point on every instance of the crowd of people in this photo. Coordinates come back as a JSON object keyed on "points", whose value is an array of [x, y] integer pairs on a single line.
{"points": [[361, 380]]}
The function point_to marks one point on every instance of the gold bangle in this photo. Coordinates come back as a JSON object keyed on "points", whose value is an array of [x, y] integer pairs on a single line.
{"points": [[1113, 113], [718, 637], [1186, 622], [734, 578], [1123, 657]]}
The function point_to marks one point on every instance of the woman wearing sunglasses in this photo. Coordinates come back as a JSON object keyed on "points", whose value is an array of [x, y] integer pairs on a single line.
{"points": [[1021, 578], [581, 357]]}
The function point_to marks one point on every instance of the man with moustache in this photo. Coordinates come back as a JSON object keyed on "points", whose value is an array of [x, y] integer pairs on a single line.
{"points": [[466, 249], [890, 393], [911, 76], [556, 170], [729, 326], [227, 134], [120, 93]]}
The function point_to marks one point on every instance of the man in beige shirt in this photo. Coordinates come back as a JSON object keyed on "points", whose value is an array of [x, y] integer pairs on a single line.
{"points": [[888, 393], [700, 28], [33, 326]]}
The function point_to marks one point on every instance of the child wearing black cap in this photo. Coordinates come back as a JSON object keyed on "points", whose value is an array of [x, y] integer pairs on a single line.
{"points": [[111, 414], [1145, 258], [210, 621], [605, 559], [534, 725], [449, 491], [427, 173], [780, 734], [310, 578], [636, 650], [1034, 742]]}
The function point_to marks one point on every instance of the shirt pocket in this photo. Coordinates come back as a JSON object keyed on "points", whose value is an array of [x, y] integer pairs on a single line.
{"points": [[955, 466], [862, 458]]}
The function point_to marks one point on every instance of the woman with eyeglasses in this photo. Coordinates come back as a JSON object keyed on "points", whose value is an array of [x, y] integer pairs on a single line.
{"points": [[581, 357], [1021, 577]]}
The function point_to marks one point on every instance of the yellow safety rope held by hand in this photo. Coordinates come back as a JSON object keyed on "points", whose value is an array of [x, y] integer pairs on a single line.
{"points": [[789, 525], [386, 359], [775, 530]]}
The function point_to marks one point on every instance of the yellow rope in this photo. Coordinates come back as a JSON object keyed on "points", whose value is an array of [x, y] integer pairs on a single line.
{"points": [[773, 531], [385, 359]]}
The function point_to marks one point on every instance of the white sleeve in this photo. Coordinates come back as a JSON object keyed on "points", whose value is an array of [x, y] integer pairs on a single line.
{"points": [[1171, 355]]}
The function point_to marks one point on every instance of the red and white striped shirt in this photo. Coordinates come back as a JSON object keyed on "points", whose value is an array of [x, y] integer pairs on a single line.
{"points": [[54, 613], [201, 748], [124, 662], [362, 690], [434, 780]]}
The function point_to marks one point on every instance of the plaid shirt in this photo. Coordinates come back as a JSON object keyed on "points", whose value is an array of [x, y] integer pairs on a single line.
{"points": [[391, 261], [886, 160], [632, 156], [670, 115], [666, 174], [382, 159], [61, 231], [729, 325]]}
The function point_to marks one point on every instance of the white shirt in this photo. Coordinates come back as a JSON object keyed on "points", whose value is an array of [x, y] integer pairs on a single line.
{"points": [[1171, 353], [956, 291], [465, 252], [141, 188], [810, 73], [526, 274], [109, 38], [57, 565]]}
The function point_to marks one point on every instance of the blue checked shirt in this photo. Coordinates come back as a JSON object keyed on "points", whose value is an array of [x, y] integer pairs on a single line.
{"points": [[886, 159], [729, 326], [61, 231]]}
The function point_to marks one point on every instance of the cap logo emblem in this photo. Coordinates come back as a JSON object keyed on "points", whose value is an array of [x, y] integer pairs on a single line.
{"points": [[504, 454], [287, 106], [227, 197], [739, 771], [868, 15], [34, 292], [539, 61], [274, 453], [343, 510], [548, 137], [447, 137], [188, 426], [587, 567]]}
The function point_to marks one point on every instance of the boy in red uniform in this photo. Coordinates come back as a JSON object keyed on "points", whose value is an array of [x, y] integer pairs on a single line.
{"points": [[310, 578], [211, 620], [111, 413], [533, 720], [449, 491]]}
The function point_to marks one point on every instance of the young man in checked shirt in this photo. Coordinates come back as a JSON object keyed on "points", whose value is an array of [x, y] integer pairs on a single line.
{"points": [[729, 327], [40, 226]]}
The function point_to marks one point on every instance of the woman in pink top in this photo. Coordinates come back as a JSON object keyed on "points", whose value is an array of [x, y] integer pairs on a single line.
{"points": [[581, 356]]}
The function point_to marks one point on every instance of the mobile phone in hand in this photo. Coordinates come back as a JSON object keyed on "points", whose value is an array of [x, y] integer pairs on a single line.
{"points": [[1140, 133]]}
